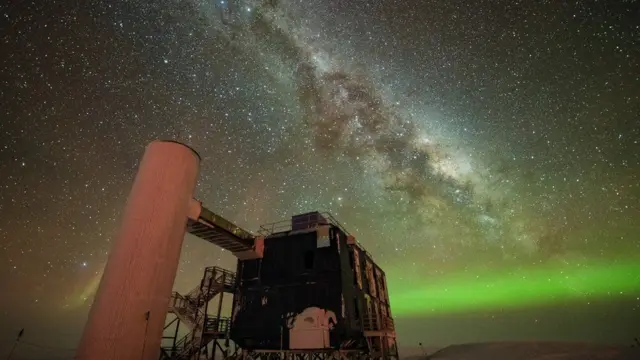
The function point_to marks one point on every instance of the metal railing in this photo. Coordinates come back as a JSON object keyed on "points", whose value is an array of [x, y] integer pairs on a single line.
{"points": [[190, 309], [222, 276], [214, 325], [214, 281], [312, 221], [178, 301], [189, 344], [184, 306], [287, 225], [225, 224]]}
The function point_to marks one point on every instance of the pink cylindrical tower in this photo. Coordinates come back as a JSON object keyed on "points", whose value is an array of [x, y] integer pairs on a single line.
{"points": [[128, 314]]}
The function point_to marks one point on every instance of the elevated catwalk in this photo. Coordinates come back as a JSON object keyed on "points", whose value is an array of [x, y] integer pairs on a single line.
{"points": [[219, 231]]}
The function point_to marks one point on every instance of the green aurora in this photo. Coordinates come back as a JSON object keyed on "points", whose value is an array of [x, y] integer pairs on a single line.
{"points": [[540, 285]]}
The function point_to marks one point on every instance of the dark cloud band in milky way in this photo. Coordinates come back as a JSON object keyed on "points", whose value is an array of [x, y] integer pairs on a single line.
{"points": [[346, 115], [343, 109]]}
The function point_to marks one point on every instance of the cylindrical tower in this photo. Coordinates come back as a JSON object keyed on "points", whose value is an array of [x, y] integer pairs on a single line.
{"points": [[128, 313]]}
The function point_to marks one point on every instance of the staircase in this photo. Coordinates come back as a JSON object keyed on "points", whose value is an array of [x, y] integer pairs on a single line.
{"points": [[190, 310]]}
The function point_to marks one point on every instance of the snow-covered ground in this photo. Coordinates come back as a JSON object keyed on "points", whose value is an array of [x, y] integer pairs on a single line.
{"points": [[533, 351]]}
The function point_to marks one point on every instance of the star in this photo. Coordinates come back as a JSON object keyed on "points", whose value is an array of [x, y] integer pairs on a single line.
{"points": [[486, 154]]}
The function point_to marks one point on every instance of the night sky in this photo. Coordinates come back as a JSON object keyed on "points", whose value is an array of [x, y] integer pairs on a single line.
{"points": [[487, 153]]}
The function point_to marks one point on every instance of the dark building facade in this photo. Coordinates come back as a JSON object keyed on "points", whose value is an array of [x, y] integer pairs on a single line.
{"points": [[314, 288]]}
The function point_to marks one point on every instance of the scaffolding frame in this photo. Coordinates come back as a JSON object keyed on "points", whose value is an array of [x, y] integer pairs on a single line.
{"points": [[209, 333], [312, 354]]}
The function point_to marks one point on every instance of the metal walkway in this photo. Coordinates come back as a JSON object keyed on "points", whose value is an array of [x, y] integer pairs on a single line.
{"points": [[220, 231]]}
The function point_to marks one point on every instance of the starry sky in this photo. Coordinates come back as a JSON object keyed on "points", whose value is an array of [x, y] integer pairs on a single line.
{"points": [[485, 152]]}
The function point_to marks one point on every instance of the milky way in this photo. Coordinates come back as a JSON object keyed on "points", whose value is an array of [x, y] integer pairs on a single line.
{"points": [[348, 115], [476, 147]]}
